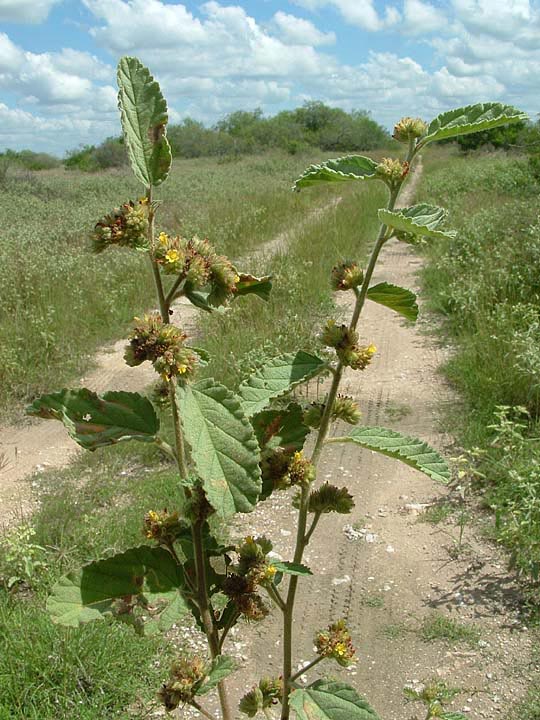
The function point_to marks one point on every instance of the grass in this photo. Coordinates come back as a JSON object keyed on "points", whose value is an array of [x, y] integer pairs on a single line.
{"points": [[95, 507], [436, 513], [486, 285], [439, 628], [60, 302]]}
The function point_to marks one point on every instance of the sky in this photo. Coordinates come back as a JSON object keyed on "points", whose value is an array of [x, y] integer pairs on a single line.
{"points": [[403, 57]]}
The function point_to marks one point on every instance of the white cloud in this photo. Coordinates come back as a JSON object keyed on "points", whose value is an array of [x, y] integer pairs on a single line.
{"points": [[421, 17], [297, 31], [361, 13], [25, 11]]}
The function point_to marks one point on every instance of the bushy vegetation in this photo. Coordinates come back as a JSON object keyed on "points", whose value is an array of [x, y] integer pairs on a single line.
{"points": [[487, 285], [48, 327]]}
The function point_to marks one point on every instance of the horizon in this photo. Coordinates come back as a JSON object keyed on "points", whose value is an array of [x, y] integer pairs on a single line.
{"points": [[406, 57]]}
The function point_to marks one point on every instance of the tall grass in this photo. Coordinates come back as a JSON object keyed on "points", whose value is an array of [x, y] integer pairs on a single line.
{"points": [[59, 302]]}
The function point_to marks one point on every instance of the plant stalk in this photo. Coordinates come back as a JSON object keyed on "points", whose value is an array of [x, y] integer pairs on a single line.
{"points": [[301, 538], [307, 667]]}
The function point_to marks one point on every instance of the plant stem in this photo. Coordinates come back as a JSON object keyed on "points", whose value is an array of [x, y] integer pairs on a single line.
{"points": [[172, 292], [204, 712], [311, 530], [274, 594], [230, 624], [307, 667], [203, 604], [302, 538]]}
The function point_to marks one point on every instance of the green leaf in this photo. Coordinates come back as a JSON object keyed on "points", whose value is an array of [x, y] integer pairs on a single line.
{"points": [[411, 451], [199, 298], [223, 446], [143, 112], [350, 167], [281, 428], [453, 716], [95, 421], [222, 667], [396, 298], [249, 284], [422, 219], [290, 568], [471, 119], [204, 355], [330, 701], [277, 377], [91, 592]]}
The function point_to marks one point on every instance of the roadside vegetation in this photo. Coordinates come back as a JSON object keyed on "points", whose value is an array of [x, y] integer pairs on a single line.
{"points": [[486, 285], [93, 508], [49, 327]]}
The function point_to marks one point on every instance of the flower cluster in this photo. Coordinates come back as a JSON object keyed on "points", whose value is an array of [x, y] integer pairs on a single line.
{"points": [[126, 226], [164, 527], [345, 408], [409, 128], [284, 468], [392, 172], [187, 675], [345, 342], [346, 276], [329, 498], [252, 570], [336, 643], [161, 344], [267, 693], [199, 264]]}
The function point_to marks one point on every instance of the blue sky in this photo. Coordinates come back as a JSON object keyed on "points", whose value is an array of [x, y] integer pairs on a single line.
{"points": [[402, 57]]}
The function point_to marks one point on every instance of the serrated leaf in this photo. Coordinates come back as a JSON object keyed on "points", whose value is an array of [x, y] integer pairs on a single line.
{"points": [[143, 112], [223, 446], [290, 568], [471, 119], [410, 451], [350, 167], [249, 284], [330, 701], [281, 428], [222, 667], [91, 592], [94, 421], [396, 298], [422, 219], [277, 377]]}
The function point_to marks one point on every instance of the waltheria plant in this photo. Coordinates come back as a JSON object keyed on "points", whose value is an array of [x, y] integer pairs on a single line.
{"points": [[233, 450]]}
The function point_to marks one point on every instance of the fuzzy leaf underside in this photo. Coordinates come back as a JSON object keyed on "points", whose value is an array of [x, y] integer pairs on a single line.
{"points": [[277, 377], [350, 167], [222, 667], [410, 451], [471, 119], [249, 284], [291, 568], [281, 428], [422, 220], [143, 112], [95, 421], [223, 446], [90, 592], [324, 700], [396, 298]]}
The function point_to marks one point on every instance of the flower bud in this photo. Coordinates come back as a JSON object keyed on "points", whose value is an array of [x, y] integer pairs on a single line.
{"points": [[346, 276], [392, 172], [252, 554], [252, 702], [126, 226], [163, 345], [339, 337], [313, 415], [301, 470], [164, 527], [346, 409], [336, 643], [409, 128], [329, 498], [357, 358], [185, 678]]}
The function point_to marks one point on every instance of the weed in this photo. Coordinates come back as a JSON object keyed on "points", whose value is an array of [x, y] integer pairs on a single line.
{"points": [[436, 513], [437, 627]]}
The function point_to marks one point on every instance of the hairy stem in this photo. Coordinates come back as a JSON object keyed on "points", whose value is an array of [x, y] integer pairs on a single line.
{"points": [[274, 594], [302, 538], [205, 610], [204, 712], [307, 667]]}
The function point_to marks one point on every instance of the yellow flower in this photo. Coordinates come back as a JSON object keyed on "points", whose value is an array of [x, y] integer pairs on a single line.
{"points": [[172, 255], [163, 238]]}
